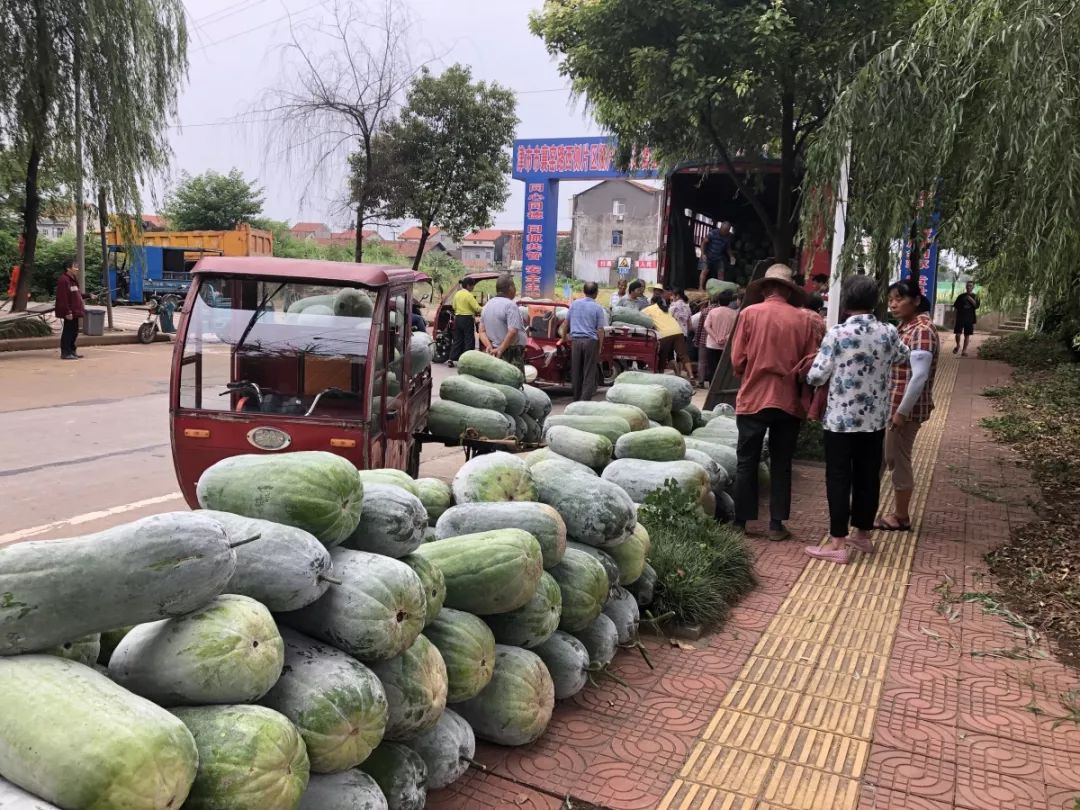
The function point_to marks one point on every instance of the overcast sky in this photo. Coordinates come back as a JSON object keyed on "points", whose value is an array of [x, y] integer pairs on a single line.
{"points": [[235, 54]]}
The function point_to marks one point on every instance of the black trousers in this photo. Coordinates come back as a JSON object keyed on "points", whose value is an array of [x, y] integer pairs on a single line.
{"points": [[853, 479], [584, 354], [464, 336], [783, 430], [68, 334]]}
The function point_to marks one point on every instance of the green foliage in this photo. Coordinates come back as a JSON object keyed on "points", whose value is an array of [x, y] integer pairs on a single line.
{"points": [[564, 257], [213, 202], [713, 79], [1028, 350], [811, 443], [450, 149], [975, 104], [26, 328], [702, 567]]}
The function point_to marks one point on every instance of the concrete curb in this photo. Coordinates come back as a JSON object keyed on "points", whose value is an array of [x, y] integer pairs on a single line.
{"points": [[37, 343]]}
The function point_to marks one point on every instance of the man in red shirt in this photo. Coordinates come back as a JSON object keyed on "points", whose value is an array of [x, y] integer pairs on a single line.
{"points": [[69, 309], [771, 338]]}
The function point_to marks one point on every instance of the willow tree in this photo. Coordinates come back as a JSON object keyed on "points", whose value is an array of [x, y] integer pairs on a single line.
{"points": [[91, 86], [974, 113]]}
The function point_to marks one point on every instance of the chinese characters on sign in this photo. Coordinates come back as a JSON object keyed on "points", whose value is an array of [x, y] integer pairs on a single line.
{"points": [[928, 262], [542, 164], [640, 264]]}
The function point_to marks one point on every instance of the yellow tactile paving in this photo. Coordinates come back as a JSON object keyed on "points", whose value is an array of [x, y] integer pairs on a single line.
{"points": [[793, 732]]}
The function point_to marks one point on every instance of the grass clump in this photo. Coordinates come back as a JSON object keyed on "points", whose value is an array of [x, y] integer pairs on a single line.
{"points": [[811, 443], [1031, 350], [702, 567], [25, 328]]}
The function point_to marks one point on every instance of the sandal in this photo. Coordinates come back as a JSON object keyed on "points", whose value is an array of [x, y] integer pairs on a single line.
{"points": [[899, 526], [840, 556]]}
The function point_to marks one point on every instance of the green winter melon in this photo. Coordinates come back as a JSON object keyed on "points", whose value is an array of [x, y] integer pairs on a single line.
{"points": [[285, 568], [85, 650], [722, 454], [717, 475], [681, 390], [630, 556], [610, 427], [250, 758], [76, 739], [547, 454], [393, 523], [652, 444], [644, 587], [538, 519], [493, 477], [487, 572], [634, 416], [470, 391], [389, 477], [595, 511], [532, 623], [452, 420], [682, 421], [415, 684], [515, 708], [436, 496], [567, 662], [488, 367], [654, 400], [313, 490], [420, 352], [539, 403], [695, 415], [54, 591], [467, 647], [15, 798], [447, 749], [631, 316], [353, 304], [228, 651], [431, 577], [534, 433], [376, 612], [583, 583], [514, 400], [348, 790], [337, 704], [589, 449], [601, 639], [622, 609], [400, 773], [640, 478], [611, 568]]}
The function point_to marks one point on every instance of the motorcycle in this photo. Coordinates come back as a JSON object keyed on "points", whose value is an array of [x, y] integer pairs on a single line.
{"points": [[159, 317]]}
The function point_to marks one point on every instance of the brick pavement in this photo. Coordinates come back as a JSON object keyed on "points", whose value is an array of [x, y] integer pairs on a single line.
{"points": [[833, 687]]}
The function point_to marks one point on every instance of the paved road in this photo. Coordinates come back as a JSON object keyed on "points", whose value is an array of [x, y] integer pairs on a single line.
{"points": [[85, 445]]}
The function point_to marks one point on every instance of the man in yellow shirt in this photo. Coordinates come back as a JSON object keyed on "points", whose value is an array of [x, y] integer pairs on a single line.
{"points": [[466, 310], [672, 339]]}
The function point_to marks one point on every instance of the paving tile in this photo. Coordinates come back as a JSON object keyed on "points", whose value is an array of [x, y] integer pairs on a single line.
{"points": [[731, 769], [1062, 798], [930, 695], [548, 763], [876, 798], [746, 732], [801, 788], [480, 791], [685, 795], [625, 785], [908, 772]]}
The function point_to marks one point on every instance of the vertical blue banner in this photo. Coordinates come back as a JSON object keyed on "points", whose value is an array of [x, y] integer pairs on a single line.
{"points": [[539, 238], [928, 262]]}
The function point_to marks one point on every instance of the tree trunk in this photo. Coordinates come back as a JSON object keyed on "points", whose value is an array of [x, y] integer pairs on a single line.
{"points": [[31, 209], [424, 226], [785, 226], [80, 208], [358, 252], [103, 225]]}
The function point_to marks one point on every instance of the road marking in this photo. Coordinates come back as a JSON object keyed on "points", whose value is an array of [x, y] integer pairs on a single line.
{"points": [[89, 517]]}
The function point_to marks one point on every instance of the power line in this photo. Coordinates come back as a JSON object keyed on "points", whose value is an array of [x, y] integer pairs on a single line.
{"points": [[261, 25], [222, 13]]}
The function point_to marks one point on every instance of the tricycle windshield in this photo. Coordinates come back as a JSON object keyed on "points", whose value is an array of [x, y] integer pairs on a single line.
{"points": [[278, 346]]}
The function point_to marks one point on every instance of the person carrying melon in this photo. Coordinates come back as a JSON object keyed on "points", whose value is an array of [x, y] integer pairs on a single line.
{"points": [[502, 329]]}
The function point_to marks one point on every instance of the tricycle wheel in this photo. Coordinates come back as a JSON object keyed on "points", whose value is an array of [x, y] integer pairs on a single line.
{"points": [[441, 350], [609, 371], [147, 332]]}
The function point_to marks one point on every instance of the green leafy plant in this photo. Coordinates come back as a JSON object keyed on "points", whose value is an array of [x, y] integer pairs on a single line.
{"points": [[1029, 350], [811, 443], [702, 567]]}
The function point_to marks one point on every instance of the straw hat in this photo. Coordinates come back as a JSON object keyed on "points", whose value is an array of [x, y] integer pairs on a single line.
{"points": [[777, 274]]}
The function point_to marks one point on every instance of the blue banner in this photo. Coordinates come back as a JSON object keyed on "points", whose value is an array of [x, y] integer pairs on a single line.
{"points": [[928, 263]]}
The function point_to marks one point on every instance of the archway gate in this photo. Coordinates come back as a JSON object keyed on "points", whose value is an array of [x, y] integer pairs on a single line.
{"points": [[541, 164]]}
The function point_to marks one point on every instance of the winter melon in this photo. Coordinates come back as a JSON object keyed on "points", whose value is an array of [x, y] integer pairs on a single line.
{"points": [[643, 588], [493, 477], [348, 790], [85, 650], [640, 478], [467, 647], [532, 623], [490, 368], [452, 421], [630, 556], [415, 684], [538, 403], [682, 421], [654, 400], [388, 476], [400, 773], [610, 427], [514, 401], [447, 749], [681, 390], [567, 662], [433, 581], [611, 568], [634, 416], [538, 519], [622, 609], [583, 584], [595, 511], [601, 639], [652, 444], [515, 708], [470, 391], [393, 523], [589, 449], [436, 496], [547, 454]]}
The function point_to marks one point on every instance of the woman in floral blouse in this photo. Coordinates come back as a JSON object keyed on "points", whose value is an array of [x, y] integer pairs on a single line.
{"points": [[911, 395], [856, 360]]}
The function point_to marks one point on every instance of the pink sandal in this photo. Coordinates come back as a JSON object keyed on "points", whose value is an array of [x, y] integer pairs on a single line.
{"points": [[840, 556], [863, 544]]}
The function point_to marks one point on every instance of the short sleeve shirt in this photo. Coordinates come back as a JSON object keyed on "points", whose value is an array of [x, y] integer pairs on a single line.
{"points": [[716, 246], [856, 358], [499, 316], [587, 318], [919, 335]]}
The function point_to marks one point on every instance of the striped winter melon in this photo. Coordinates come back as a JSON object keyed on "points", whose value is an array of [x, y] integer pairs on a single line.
{"points": [[436, 496], [452, 420], [487, 572], [634, 416], [467, 647], [654, 400], [313, 490], [595, 511], [630, 556], [393, 523], [433, 582], [348, 790], [590, 449], [515, 708], [515, 403], [583, 584], [652, 444], [567, 662], [493, 477], [532, 623], [490, 368], [610, 427], [681, 390], [415, 684], [469, 391], [538, 519]]}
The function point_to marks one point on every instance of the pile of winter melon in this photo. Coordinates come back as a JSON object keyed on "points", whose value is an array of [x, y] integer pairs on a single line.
{"points": [[648, 432], [488, 399]]}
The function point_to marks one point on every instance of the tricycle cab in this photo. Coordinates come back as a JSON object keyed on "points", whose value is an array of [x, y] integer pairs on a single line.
{"points": [[280, 355]]}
